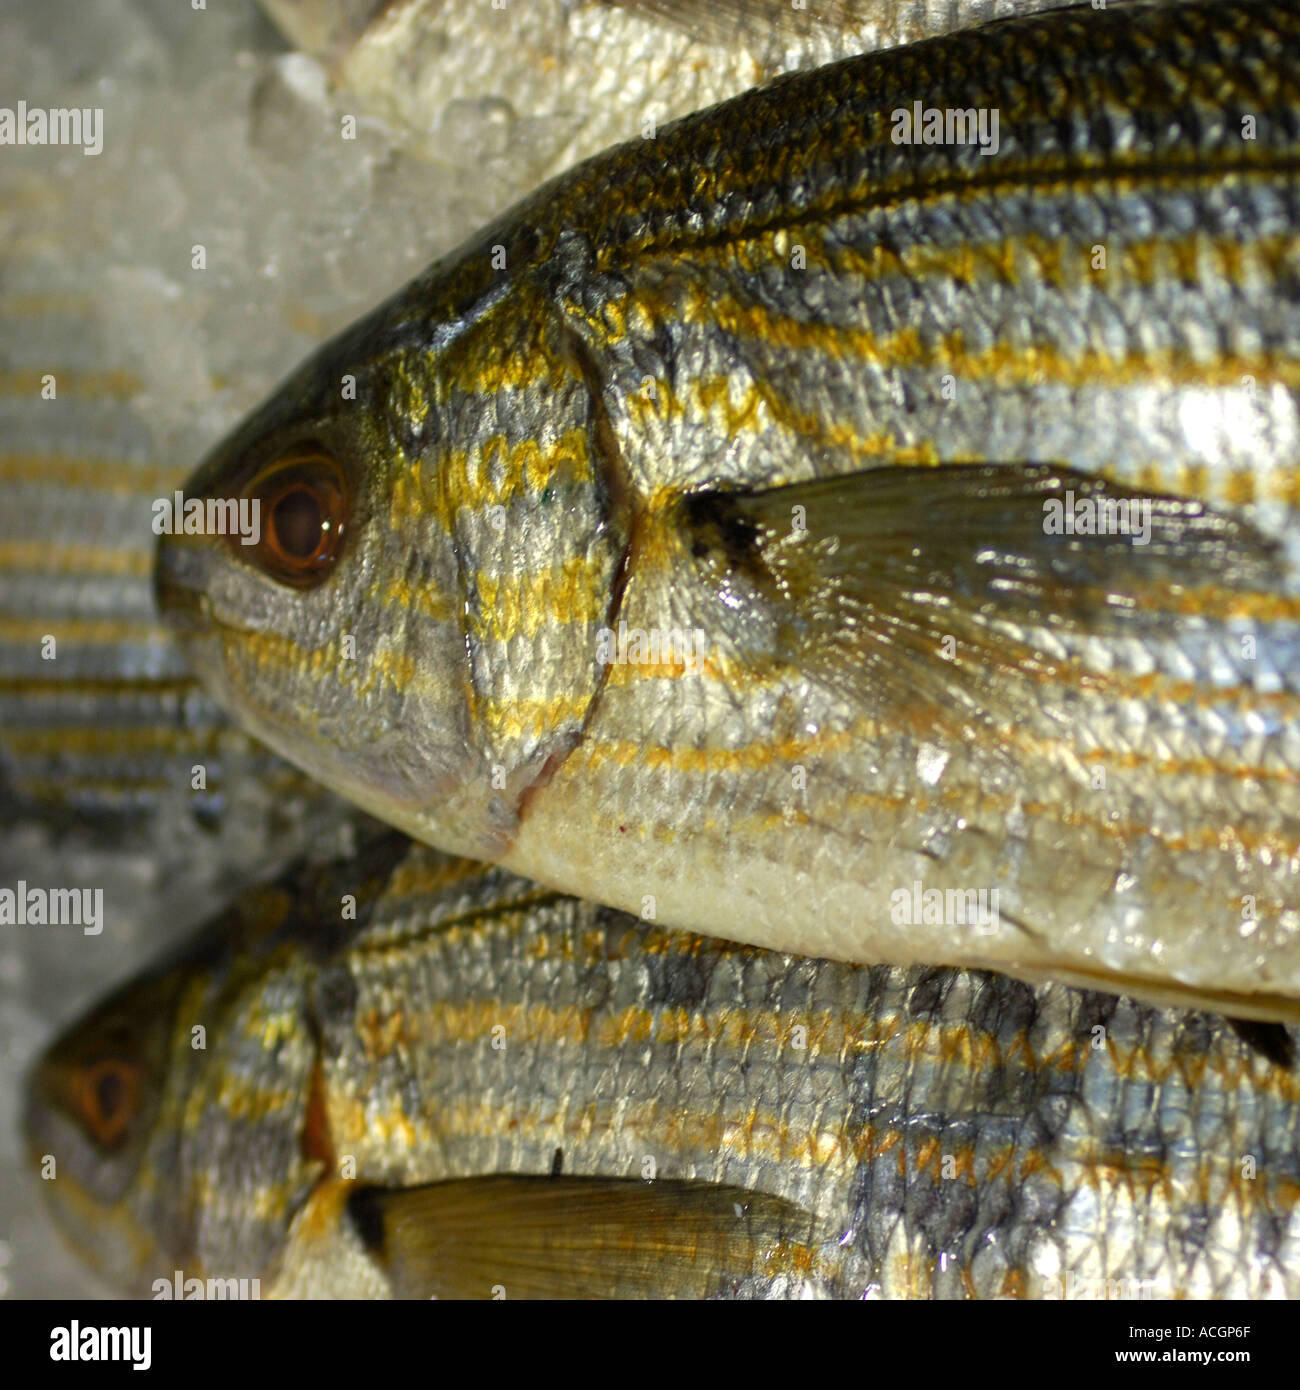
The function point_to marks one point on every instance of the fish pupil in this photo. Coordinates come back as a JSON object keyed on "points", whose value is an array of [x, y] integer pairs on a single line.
{"points": [[110, 1098], [299, 521], [304, 498], [108, 1094]]}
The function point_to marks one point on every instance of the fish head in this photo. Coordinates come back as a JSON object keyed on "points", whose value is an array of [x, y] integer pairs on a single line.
{"points": [[92, 1105], [171, 1125], [325, 616], [411, 613]]}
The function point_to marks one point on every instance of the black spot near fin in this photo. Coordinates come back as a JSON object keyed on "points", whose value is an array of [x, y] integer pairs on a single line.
{"points": [[1270, 1040]]}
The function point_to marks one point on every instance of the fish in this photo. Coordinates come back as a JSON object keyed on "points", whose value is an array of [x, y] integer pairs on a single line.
{"points": [[102, 728], [795, 531], [397, 1074]]}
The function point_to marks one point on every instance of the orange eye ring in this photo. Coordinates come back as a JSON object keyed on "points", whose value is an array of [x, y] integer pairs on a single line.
{"points": [[109, 1097], [303, 503]]}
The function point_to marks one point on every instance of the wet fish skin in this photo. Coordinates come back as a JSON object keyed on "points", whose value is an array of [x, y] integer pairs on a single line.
{"points": [[947, 1134], [529, 416]]}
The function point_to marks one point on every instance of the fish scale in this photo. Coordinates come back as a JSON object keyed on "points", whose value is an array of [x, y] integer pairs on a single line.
{"points": [[948, 1133]]}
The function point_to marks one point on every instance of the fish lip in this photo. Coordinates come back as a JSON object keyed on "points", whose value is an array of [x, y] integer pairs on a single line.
{"points": [[40, 1137], [36, 1107], [179, 586]]}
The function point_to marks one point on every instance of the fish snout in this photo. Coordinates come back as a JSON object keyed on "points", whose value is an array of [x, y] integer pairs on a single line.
{"points": [[182, 571]]}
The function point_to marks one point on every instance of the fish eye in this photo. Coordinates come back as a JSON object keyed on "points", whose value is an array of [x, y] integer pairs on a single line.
{"points": [[108, 1097], [302, 500]]}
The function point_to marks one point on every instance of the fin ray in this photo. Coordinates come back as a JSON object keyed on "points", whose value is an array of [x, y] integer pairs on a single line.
{"points": [[943, 583], [577, 1237]]}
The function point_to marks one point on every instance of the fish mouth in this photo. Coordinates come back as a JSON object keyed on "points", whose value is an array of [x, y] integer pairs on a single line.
{"points": [[99, 1233], [180, 583], [37, 1128]]}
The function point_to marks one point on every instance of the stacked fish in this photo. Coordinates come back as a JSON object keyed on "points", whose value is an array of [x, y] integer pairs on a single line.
{"points": [[858, 521]]}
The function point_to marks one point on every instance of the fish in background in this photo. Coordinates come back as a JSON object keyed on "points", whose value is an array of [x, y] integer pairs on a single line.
{"points": [[794, 529], [117, 773], [403, 1075], [103, 730]]}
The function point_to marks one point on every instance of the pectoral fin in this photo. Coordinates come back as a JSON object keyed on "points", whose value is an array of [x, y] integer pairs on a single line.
{"points": [[937, 584], [577, 1237]]}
